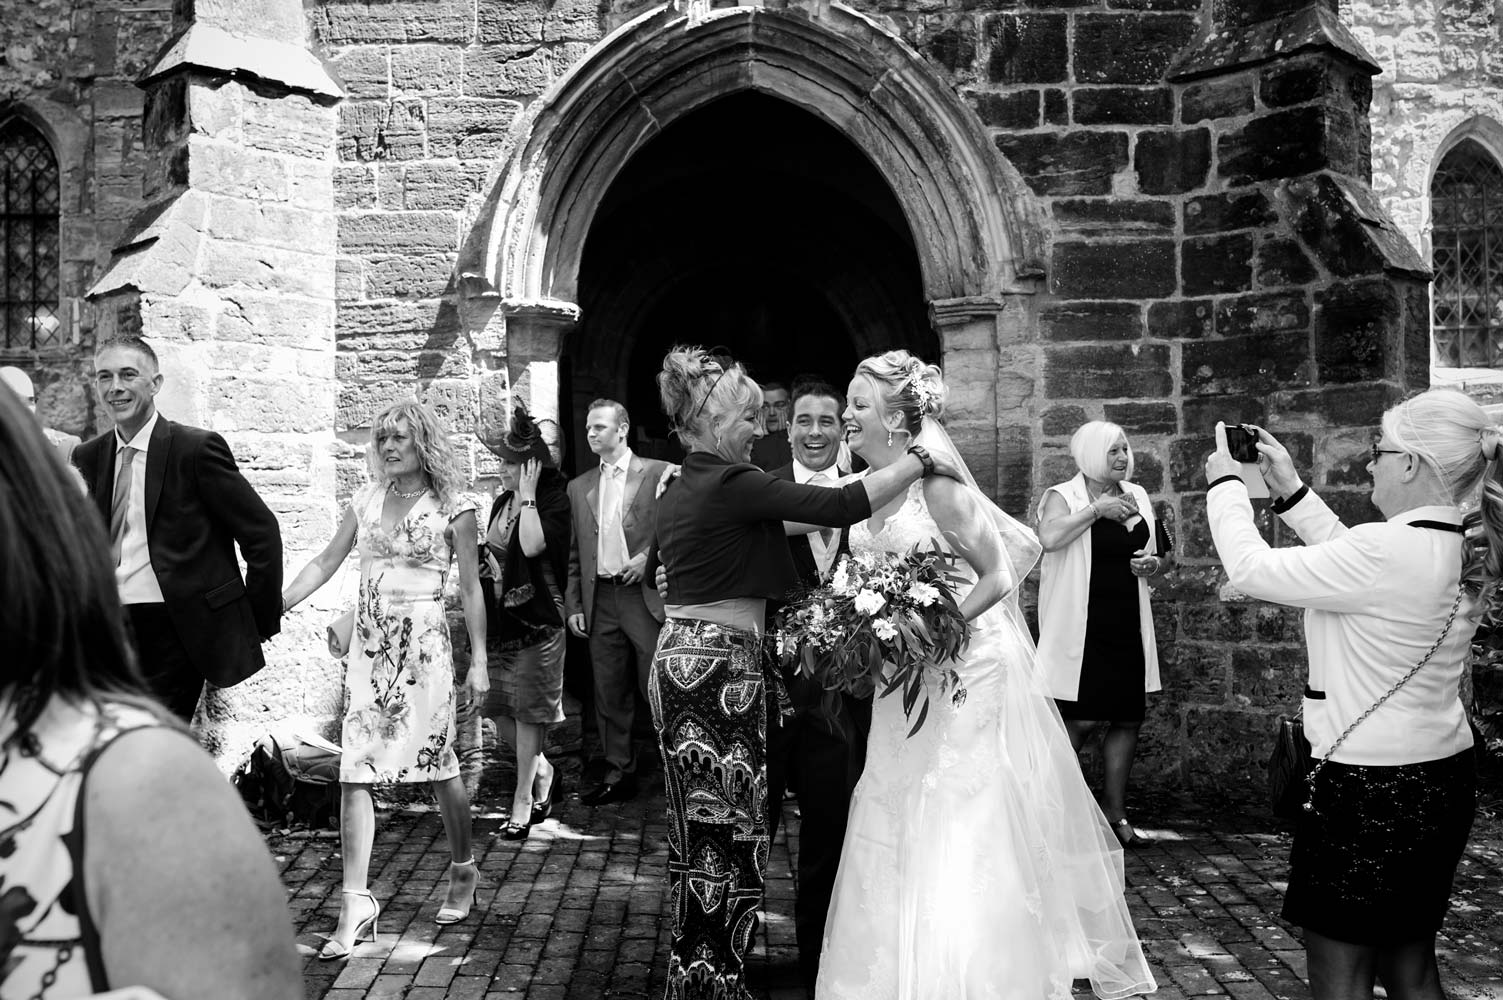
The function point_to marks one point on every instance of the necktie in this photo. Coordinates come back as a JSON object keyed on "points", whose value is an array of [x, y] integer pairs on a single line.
{"points": [[612, 558], [120, 502]]}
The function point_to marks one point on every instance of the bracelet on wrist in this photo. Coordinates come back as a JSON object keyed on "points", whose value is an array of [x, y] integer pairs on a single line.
{"points": [[922, 454], [529, 503]]}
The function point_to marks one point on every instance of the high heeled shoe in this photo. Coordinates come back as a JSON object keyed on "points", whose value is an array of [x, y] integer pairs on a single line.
{"points": [[335, 948], [516, 831], [452, 912], [542, 810]]}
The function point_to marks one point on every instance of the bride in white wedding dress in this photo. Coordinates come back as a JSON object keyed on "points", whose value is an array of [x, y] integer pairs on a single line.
{"points": [[976, 862]]}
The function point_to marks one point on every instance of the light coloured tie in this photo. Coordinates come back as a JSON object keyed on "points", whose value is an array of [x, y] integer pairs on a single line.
{"points": [[612, 559], [120, 501]]}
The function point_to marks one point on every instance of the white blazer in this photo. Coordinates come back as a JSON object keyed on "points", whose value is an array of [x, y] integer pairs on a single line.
{"points": [[1065, 582]]}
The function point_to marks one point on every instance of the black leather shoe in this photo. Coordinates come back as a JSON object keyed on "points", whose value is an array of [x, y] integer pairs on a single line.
{"points": [[617, 791]]}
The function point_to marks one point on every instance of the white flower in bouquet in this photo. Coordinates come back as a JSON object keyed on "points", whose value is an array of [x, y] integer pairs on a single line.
{"points": [[884, 629], [840, 580], [923, 594], [869, 602]]}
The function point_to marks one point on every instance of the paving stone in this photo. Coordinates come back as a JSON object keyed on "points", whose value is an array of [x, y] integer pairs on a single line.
{"points": [[578, 911]]}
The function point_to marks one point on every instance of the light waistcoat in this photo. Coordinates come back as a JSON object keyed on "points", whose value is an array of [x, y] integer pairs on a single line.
{"points": [[1064, 586]]}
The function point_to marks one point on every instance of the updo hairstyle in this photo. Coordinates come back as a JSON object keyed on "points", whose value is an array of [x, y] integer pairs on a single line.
{"points": [[906, 385], [699, 394], [1452, 434], [1092, 443]]}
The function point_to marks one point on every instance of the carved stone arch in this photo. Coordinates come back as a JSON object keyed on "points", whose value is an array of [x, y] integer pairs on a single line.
{"points": [[979, 234], [976, 227]]}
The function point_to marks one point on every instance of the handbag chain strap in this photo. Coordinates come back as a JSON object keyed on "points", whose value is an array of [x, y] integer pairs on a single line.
{"points": [[1444, 631]]}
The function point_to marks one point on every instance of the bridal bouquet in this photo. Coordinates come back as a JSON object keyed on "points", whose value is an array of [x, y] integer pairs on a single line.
{"points": [[882, 623]]}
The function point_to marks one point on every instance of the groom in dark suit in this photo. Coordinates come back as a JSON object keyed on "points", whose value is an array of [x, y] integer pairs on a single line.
{"points": [[815, 752], [176, 506]]}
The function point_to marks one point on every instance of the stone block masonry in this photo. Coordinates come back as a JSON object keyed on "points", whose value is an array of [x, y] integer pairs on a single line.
{"points": [[1216, 255], [230, 275]]}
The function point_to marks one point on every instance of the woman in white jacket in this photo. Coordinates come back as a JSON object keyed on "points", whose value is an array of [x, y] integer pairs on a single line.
{"points": [[1390, 811], [1096, 644]]}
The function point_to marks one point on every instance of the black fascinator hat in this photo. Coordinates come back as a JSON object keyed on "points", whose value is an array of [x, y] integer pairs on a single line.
{"points": [[523, 441]]}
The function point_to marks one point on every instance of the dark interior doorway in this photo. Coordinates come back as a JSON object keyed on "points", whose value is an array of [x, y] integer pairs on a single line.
{"points": [[751, 224]]}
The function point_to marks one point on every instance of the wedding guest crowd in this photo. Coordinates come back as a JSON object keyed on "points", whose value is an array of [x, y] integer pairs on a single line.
{"points": [[119, 600], [722, 539]]}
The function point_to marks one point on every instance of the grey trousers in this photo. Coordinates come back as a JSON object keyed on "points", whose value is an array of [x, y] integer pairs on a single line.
{"points": [[621, 623]]}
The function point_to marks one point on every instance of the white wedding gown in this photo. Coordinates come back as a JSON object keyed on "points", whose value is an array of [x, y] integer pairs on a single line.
{"points": [[976, 863]]}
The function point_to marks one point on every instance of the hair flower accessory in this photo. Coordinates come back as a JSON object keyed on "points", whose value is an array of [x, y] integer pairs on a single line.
{"points": [[923, 390], [1491, 440]]}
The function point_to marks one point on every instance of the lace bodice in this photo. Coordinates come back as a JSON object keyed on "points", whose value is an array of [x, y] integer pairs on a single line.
{"points": [[909, 525]]}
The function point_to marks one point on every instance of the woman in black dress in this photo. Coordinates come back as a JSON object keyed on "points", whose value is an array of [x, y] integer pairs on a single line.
{"points": [[1096, 643]]}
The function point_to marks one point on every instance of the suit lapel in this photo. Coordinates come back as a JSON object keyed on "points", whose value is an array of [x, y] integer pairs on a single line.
{"points": [[634, 476], [156, 466], [592, 495], [104, 475]]}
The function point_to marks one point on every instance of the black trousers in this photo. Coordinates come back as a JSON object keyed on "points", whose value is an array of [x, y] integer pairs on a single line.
{"points": [[822, 762], [171, 677]]}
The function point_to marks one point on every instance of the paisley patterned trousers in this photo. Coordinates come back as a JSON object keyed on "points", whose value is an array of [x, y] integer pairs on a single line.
{"points": [[710, 712]]}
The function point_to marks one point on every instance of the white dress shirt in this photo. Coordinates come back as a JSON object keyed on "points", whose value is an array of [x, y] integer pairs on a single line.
{"points": [[824, 553], [611, 553], [137, 580], [1376, 597]]}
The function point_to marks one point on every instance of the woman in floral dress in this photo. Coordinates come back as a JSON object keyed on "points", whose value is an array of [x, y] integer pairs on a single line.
{"points": [[412, 523]]}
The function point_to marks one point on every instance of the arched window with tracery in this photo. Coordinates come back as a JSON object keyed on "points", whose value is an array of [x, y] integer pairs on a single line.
{"points": [[29, 200], [1466, 211]]}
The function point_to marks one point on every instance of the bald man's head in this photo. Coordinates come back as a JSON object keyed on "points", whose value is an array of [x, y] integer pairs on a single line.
{"points": [[19, 383]]}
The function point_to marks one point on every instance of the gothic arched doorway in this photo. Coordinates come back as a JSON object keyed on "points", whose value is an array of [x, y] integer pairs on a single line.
{"points": [[751, 224], [976, 236]]}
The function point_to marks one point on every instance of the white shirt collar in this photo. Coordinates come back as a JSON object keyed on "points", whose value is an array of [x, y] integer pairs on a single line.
{"points": [[142, 438], [802, 473], [623, 463], [1440, 512]]}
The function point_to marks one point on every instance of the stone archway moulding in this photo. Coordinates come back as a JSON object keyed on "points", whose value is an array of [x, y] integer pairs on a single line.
{"points": [[976, 226], [978, 232]]}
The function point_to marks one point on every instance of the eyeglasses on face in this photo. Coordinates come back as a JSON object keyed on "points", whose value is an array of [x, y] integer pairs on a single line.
{"points": [[1376, 451]]}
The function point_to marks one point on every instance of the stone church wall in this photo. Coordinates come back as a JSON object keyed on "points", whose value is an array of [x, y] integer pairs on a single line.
{"points": [[70, 69], [1211, 248], [1442, 80]]}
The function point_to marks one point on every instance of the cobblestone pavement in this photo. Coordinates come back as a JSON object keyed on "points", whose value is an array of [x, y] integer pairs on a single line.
{"points": [[577, 911]]}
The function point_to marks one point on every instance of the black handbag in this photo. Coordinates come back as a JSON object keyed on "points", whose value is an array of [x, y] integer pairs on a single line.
{"points": [[1289, 768]]}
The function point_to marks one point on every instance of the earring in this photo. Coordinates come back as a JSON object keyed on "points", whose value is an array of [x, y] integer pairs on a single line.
{"points": [[889, 439]]}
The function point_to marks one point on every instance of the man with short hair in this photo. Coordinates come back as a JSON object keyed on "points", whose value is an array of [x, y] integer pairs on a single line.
{"points": [[819, 753], [20, 383], [771, 451], [609, 599], [175, 507]]}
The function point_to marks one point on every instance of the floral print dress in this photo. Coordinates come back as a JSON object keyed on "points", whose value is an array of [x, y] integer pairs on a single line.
{"points": [[399, 676]]}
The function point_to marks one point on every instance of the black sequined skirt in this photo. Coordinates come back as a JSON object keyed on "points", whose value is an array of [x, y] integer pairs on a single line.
{"points": [[1373, 865]]}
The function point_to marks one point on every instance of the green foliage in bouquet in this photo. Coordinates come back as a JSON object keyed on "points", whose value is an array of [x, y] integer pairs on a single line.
{"points": [[883, 623]]}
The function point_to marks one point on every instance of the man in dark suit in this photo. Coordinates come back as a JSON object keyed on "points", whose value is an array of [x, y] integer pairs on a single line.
{"points": [[817, 752], [175, 506], [609, 599]]}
